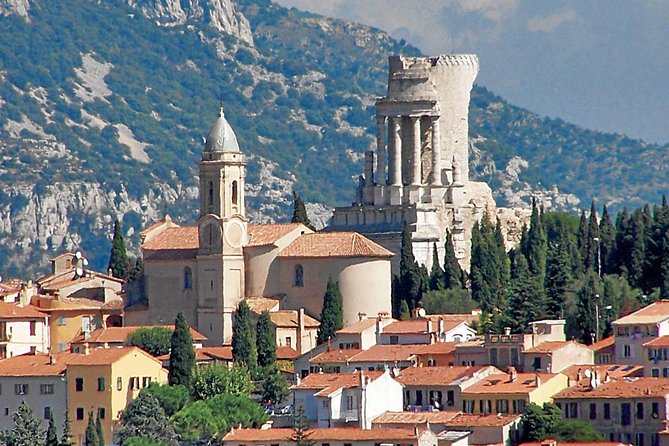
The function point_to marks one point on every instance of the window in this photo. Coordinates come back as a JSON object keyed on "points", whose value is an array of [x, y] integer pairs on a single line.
{"points": [[79, 384], [431, 362], [450, 398], [514, 356], [61, 320], [639, 411], [325, 404], [188, 278], [593, 411], [536, 363], [6, 411], [21, 389], [571, 410], [119, 383], [289, 341], [234, 193], [80, 413], [435, 398], [101, 413], [299, 276], [493, 356], [625, 414], [484, 407], [627, 351], [101, 384], [210, 197], [146, 380], [655, 372], [639, 439], [518, 406], [134, 382], [86, 324], [33, 328], [656, 410], [665, 372], [349, 402], [502, 406], [468, 406], [394, 339], [655, 440], [419, 397], [47, 412], [607, 411], [46, 389]]}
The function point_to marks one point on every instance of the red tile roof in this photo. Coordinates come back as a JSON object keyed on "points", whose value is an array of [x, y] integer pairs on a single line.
{"points": [[358, 327], [662, 341], [438, 348], [339, 434], [260, 304], [335, 356], [385, 353], [419, 326], [523, 384], [106, 356], [492, 420], [328, 383], [269, 234], [620, 388], [614, 371], [549, 346], [655, 312], [334, 244], [602, 344], [286, 353], [183, 237], [288, 319], [415, 418], [434, 376], [122, 334], [34, 365], [10, 310]]}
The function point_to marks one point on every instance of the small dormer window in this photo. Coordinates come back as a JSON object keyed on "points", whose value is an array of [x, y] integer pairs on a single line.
{"points": [[299, 276]]}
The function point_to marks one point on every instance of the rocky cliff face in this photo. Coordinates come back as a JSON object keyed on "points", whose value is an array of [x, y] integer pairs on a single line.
{"points": [[19, 7]]}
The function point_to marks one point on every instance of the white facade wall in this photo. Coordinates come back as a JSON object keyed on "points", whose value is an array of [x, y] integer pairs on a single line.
{"points": [[460, 333], [38, 401], [381, 395], [20, 339]]}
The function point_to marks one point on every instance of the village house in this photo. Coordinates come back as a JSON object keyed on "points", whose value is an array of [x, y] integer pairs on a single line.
{"points": [[631, 332], [428, 330], [363, 334], [120, 337], [334, 437], [23, 329], [353, 399], [605, 350], [555, 356]]}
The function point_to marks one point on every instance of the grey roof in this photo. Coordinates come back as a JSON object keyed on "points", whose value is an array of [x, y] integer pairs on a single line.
{"points": [[452, 436], [221, 138]]}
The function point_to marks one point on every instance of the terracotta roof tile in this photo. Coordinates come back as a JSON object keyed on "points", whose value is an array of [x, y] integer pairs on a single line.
{"points": [[334, 244], [662, 341], [614, 371], [10, 310], [603, 343], [385, 353], [260, 304], [322, 434], [268, 234], [288, 318], [106, 356], [524, 383], [620, 388], [285, 353], [655, 312], [358, 327], [415, 418], [549, 346], [419, 326], [492, 420], [434, 376], [122, 334], [328, 383], [223, 352], [335, 356], [34, 365], [438, 348]]}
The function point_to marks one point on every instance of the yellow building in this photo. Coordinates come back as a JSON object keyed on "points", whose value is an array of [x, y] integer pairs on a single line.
{"points": [[104, 381], [511, 392]]}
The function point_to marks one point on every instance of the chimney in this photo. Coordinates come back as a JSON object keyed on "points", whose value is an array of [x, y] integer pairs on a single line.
{"points": [[428, 322], [86, 349], [607, 377], [441, 325], [507, 331], [298, 379], [363, 382], [537, 380], [329, 344], [300, 330], [415, 431], [52, 359], [379, 327], [362, 316], [513, 374], [579, 375]]}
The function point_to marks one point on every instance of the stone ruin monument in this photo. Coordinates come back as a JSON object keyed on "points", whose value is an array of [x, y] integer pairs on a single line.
{"points": [[418, 172]]}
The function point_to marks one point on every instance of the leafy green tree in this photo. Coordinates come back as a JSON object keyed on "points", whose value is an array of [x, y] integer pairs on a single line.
{"points": [[213, 380], [143, 417], [27, 429], [66, 438], [171, 398], [300, 212], [301, 432], [274, 386], [448, 301], [154, 340], [436, 274], [142, 441], [577, 431], [51, 432], [538, 423], [99, 431], [664, 267], [91, 435], [182, 354], [588, 295], [243, 337], [265, 340], [405, 312], [332, 315], [118, 260]]}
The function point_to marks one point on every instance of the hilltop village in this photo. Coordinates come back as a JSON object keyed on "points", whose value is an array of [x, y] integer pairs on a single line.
{"points": [[424, 315]]}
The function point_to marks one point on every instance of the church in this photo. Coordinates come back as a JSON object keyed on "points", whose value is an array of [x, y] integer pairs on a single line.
{"points": [[205, 270]]}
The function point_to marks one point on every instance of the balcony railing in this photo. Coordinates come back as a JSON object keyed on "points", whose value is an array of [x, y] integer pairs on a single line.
{"points": [[350, 415]]}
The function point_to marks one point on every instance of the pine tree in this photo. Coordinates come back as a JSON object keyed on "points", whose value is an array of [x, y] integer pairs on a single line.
{"points": [[91, 435], [118, 261], [100, 432], [454, 277], [405, 312], [182, 355], [27, 430], [243, 337], [607, 243], [302, 434], [300, 212], [437, 274], [143, 417], [332, 315], [274, 386], [51, 432], [265, 340], [66, 438]]}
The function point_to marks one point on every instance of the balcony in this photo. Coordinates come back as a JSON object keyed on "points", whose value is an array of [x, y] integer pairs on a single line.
{"points": [[350, 415], [503, 339]]}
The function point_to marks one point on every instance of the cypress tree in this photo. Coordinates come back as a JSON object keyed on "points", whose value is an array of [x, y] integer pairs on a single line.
{"points": [[587, 296], [536, 247], [437, 274], [66, 438], [558, 272], [637, 259], [623, 242], [405, 312], [243, 337], [454, 277], [300, 212], [332, 315], [592, 249], [411, 282], [91, 435], [265, 340], [664, 267], [396, 296], [607, 243], [182, 354], [527, 301], [51, 432], [582, 243], [137, 270], [100, 432], [118, 260]]}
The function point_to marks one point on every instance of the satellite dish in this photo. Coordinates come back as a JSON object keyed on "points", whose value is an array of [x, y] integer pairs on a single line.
{"points": [[421, 312], [80, 272], [587, 373], [85, 262], [78, 254]]}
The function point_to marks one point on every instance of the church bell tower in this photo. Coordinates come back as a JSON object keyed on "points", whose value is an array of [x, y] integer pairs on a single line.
{"points": [[222, 232]]}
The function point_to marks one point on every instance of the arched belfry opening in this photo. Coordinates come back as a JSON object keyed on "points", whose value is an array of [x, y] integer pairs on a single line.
{"points": [[235, 194]]}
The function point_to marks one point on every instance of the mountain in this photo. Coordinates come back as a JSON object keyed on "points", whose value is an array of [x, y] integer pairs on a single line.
{"points": [[103, 106]]}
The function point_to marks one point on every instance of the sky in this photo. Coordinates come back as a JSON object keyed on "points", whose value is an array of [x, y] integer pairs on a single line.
{"points": [[603, 65]]}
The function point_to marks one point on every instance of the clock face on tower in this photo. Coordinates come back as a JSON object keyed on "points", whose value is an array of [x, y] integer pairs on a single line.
{"points": [[210, 236]]}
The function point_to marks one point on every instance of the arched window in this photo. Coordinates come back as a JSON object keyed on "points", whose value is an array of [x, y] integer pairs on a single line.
{"points": [[210, 199], [299, 276], [188, 278], [234, 193]]}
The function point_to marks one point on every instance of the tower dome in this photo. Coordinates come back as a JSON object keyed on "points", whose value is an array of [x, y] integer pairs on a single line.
{"points": [[221, 138]]}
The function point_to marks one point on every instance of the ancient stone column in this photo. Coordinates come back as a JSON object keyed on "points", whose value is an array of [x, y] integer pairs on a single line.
{"points": [[380, 150], [435, 181], [394, 149], [415, 159]]}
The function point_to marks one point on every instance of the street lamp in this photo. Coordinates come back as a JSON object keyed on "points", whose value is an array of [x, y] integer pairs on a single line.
{"points": [[599, 256], [608, 307]]}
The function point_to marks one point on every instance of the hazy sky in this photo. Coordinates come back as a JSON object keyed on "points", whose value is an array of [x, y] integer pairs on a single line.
{"points": [[601, 64]]}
